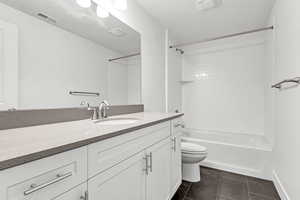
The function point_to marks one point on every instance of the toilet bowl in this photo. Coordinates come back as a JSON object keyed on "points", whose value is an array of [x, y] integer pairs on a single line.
{"points": [[192, 155]]}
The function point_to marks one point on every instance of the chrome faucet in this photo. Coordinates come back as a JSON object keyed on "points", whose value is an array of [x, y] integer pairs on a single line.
{"points": [[103, 107], [95, 114], [98, 112]]}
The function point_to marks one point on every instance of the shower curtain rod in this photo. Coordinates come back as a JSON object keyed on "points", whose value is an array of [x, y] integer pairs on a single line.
{"points": [[223, 37], [123, 57]]}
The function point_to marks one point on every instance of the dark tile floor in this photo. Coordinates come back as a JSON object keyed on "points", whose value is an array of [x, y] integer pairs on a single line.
{"points": [[221, 185]]}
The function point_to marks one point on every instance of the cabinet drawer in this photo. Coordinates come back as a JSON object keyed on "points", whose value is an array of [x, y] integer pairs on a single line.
{"points": [[78, 193], [46, 178], [105, 154]]}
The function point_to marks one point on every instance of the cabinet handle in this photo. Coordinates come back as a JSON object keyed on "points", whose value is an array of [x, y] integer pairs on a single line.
{"points": [[174, 140], [178, 125], [85, 197], [151, 166], [147, 165], [34, 187]]}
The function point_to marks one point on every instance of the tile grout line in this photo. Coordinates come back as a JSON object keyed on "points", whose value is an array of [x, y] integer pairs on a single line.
{"points": [[261, 195], [246, 181], [186, 192], [248, 189], [218, 186], [257, 194]]}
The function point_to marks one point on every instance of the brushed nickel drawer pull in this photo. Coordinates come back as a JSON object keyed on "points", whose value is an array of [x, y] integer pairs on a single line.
{"points": [[147, 165], [174, 143], [151, 163], [85, 197], [34, 187]]}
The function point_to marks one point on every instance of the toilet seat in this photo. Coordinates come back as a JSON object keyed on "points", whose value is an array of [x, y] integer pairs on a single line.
{"points": [[191, 148], [192, 155]]}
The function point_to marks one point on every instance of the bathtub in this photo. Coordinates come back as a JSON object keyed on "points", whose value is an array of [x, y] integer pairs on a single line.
{"points": [[239, 153]]}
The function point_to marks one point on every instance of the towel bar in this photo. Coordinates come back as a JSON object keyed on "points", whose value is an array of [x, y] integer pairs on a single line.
{"points": [[293, 80]]}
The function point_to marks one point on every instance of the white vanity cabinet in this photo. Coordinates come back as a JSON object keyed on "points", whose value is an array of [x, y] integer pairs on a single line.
{"points": [[78, 193], [141, 165], [176, 168], [159, 173], [44, 179], [145, 175], [124, 181], [144, 170], [105, 154]]}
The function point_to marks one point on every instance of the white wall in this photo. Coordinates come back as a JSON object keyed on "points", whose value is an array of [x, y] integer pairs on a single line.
{"points": [[9, 54], [286, 124], [124, 81], [117, 83], [134, 80], [227, 92], [53, 61], [152, 55]]}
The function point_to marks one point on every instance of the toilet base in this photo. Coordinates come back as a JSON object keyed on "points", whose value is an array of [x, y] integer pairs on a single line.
{"points": [[191, 172]]}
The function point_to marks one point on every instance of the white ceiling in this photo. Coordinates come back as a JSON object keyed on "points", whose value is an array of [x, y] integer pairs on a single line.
{"points": [[84, 22], [187, 24]]}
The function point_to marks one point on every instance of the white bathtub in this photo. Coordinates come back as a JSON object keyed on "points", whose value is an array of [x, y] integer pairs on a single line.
{"points": [[244, 154]]}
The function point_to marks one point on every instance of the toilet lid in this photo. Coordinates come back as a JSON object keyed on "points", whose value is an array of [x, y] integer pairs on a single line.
{"points": [[191, 147]]}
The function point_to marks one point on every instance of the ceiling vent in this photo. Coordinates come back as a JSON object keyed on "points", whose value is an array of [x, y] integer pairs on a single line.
{"points": [[46, 18], [204, 5]]}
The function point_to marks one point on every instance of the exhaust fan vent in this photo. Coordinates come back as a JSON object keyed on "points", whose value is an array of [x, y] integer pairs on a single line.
{"points": [[46, 18], [208, 4]]}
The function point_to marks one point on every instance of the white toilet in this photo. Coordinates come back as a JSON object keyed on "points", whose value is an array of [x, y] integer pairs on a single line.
{"points": [[192, 155]]}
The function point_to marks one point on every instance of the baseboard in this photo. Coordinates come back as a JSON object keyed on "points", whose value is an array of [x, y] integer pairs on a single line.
{"points": [[280, 189], [235, 169]]}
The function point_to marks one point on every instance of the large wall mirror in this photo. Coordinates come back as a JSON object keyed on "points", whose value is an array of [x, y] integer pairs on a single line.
{"points": [[69, 54]]}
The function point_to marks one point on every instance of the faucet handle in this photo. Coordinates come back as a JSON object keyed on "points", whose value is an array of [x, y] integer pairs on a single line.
{"points": [[85, 103], [105, 102]]}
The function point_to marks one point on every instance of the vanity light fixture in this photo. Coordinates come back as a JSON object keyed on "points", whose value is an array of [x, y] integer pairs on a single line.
{"points": [[103, 5], [84, 3], [102, 12]]}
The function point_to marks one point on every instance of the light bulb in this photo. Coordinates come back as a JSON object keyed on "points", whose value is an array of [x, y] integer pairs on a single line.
{"points": [[120, 4], [101, 12], [84, 3]]}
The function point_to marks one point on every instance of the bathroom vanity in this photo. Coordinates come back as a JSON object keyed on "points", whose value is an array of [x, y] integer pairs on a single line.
{"points": [[83, 160]]}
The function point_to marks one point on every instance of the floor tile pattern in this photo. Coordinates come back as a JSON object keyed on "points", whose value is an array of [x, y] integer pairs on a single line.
{"points": [[221, 185]]}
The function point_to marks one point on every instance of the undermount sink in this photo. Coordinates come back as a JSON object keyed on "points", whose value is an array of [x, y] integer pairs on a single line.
{"points": [[117, 121]]}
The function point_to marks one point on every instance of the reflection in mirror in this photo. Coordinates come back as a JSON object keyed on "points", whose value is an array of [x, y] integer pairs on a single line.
{"points": [[64, 47]]}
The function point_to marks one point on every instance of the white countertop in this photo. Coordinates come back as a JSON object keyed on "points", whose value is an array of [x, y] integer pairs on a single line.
{"points": [[21, 145]]}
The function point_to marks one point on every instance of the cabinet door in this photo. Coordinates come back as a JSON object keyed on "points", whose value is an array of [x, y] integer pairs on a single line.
{"points": [[176, 170], [158, 179], [8, 66], [78, 193], [124, 181]]}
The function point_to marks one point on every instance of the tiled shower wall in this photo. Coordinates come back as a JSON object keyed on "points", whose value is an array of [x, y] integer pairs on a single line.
{"points": [[227, 88]]}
